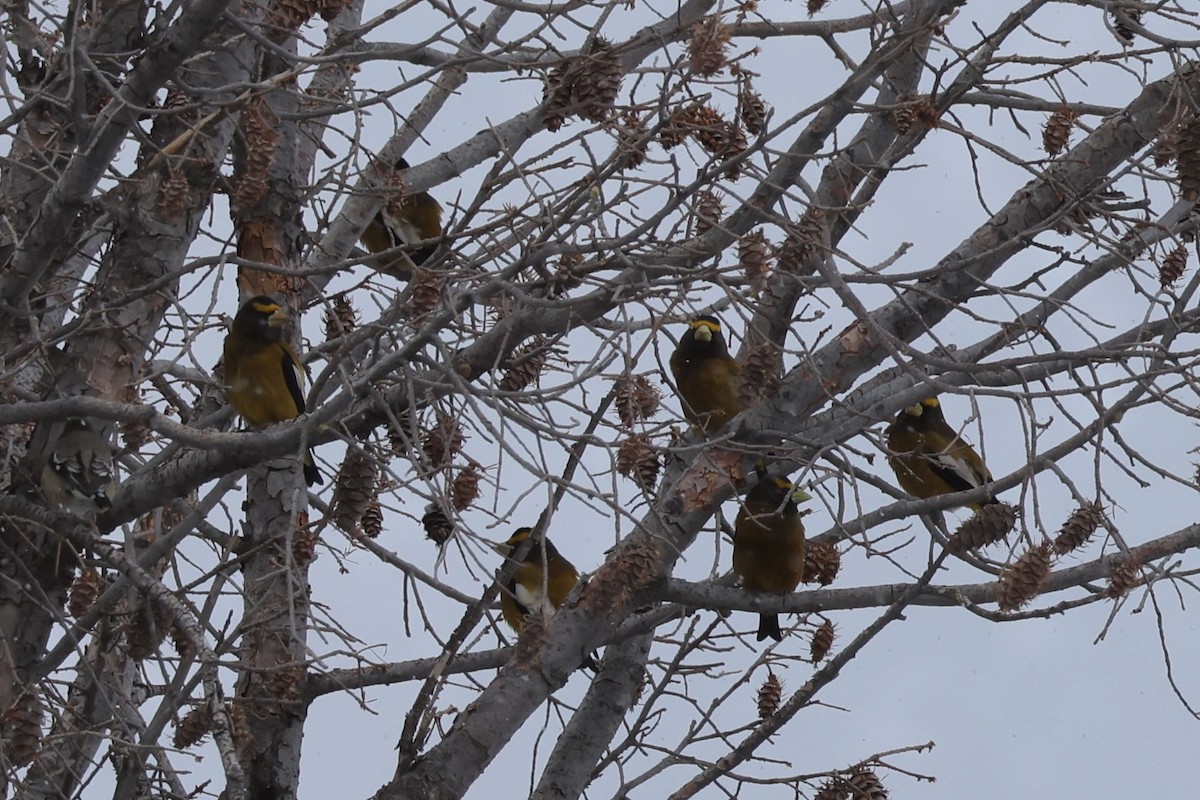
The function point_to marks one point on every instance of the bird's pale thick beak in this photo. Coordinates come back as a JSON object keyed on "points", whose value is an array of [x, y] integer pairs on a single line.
{"points": [[800, 496], [703, 333], [278, 319]]}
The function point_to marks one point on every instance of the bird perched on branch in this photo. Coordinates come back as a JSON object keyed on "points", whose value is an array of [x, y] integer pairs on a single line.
{"points": [[930, 458], [706, 376], [404, 220], [768, 544], [78, 476], [542, 581], [263, 372]]}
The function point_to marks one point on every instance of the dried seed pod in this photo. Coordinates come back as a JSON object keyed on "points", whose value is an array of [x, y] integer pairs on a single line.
{"points": [[836, 788], [304, 545], [806, 240], [1078, 528], [674, 130], [1021, 582], [425, 292], [754, 257], [353, 489], [84, 592], [760, 374], [864, 784], [751, 109], [707, 210], [1187, 161], [637, 459], [1173, 266], [528, 362], [769, 695], [822, 642], [587, 85], [632, 141], [599, 81], [443, 441], [1057, 132], [822, 562], [636, 398], [816, 5], [260, 128], [1125, 576], [707, 46], [464, 490], [340, 317], [399, 434], [904, 114], [926, 112], [372, 519], [989, 524], [23, 728], [708, 128], [194, 726], [437, 525], [557, 95]]}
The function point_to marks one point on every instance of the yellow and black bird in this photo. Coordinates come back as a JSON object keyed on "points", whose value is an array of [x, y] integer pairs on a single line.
{"points": [[768, 544], [706, 376], [78, 476], [404, 221], [930, 458], [263, 372], [542, 581]]}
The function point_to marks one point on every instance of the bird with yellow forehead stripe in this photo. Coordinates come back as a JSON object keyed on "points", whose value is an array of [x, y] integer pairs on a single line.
{"points": [[768, 544], [263, 373], [404, 221], [930, 458], [706, 376], [542, 581]]}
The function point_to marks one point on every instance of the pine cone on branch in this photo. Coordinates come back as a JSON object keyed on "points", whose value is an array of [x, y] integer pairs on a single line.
{"points": [[707, 210], [1057, 132], [707, 46], [1022, 581], [1187, 161], [822, 562], [1078, 528], [822, 642], [638, 460], [989, 524], [1173, 266], [769, 695]]}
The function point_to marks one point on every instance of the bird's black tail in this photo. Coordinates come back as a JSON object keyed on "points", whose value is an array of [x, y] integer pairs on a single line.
{"points": [[768, 625], [311, 473]]}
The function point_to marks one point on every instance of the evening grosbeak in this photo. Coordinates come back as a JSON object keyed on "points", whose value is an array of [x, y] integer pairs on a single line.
{"points": [[706, 376], [768, 544], [263, 372], [542, 581], [403, 221], [78, 476], [930, 458]]}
